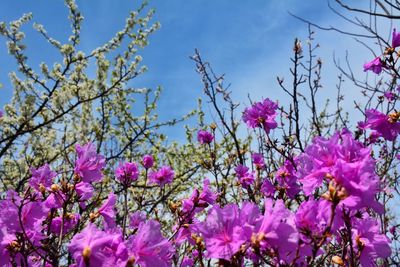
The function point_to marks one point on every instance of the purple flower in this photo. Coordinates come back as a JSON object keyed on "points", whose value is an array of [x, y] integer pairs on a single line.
{"points": [[198, 201], [107, 211], [204, 137], [387, 126], [312, 218], [395, 39], [93, 247], [261, 114], [89, 164], [346, 165], [1, 113], [368, 241], [70, 221], [375, 65], [390, 96], [267, 188], [127, 172], [245, 177], [222, 232], [42, 178], [287, 179], [56, 198], [162, 177], [84, 191], [147, 161], [9, 248], [32, 216], [258, 160], [149, 248], [277, 231], [137, 218]]}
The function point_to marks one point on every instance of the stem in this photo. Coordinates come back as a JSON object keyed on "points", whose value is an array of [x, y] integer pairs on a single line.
{"points": [[125, 210]]}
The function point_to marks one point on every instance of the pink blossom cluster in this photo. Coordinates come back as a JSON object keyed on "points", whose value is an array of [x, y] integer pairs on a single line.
{"points": [[335, 176]]}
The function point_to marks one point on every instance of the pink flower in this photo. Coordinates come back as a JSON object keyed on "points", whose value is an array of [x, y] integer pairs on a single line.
{"points": [[204, 137], [245, 177], [70, 221], [277, 231], [198, 201], [84, 191], [287, 179], [127, 172], [137, 218], [395, 39], [32, 216], [89, 164], [261, 114], [343, 163], [390, 96], [149, 248], [162, 177], [258, 160], [222, 232], [375, 65], [368, 240], [93, 247], [7, 252], [107, 211], [42, 178], [147, 161], [312, 218], [386, 126], [267, 188], [55, 200]]}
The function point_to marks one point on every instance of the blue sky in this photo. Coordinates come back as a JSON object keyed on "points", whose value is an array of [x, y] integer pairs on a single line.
{"points": [[250, 41]]}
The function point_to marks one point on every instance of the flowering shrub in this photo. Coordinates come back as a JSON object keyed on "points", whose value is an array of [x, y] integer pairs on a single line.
{"points": [[316, 195]]}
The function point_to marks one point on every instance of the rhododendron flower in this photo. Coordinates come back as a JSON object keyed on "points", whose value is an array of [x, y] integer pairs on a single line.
{"points": [[375, 65], [70, 221], [55, 200], [204, 137], [84, 192], [127, 172], [287, 179], [198, 201], [390, 96], [107, 211], [137, 218], [93, 247], [386, 126], [222, 232], [89, 164], [258, 160], [277, 231], [163, 176], [368, 241], [267, 188], [343, 163], [32, 216], [147, 161], [149, 248], [245, 177], [261, 114], [312, 218], [395, 39], [42, 178]]}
